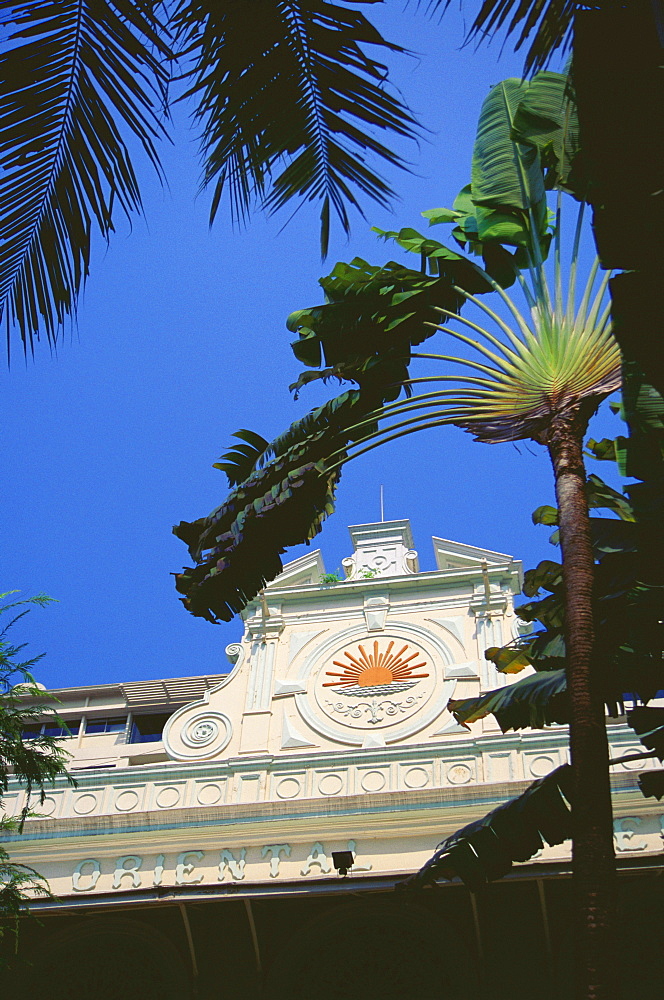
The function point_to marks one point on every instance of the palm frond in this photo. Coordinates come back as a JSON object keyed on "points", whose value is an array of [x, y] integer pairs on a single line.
{"points": [[289, 101], [548, 21], [554, 363], [77, 78]]}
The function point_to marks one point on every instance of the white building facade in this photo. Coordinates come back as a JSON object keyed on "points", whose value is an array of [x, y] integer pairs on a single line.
{"points": [[329, 733]]}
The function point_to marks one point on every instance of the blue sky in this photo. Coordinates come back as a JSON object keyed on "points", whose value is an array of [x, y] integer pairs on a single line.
{"points": [[180, 341]]}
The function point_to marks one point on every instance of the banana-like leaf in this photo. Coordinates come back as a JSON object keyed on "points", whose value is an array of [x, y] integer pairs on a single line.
{"points": [[547, 118], [648, 724], [443, 262], [242, 459], [610, 450], [651, 784], [488, 232], [510, 659], [237, 549], [535, 701], [544, 649], [78, 78], [548, 575], [290, 101], [600, 494], [629, 633], [505, 174], [372, 318], [514, 832]]}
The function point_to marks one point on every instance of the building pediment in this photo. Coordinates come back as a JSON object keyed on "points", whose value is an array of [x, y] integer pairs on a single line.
{"points": [[458, 555]]}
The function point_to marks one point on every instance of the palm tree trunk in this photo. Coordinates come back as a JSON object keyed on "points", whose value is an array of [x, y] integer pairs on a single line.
{"points": [[592, 845]]}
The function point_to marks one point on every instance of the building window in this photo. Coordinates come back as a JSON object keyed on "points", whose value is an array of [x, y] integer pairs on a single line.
{"points": [[116, 724], [148, 728], [69, 727]]}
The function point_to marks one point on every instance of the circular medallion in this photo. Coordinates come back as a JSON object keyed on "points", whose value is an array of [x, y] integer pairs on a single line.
{"points": [[375, 685], [126, 801], [373, 781], [288, 788], [459, 774], [200, 731], [416, 777], [330, 784], [85, 803], [541, 766], [372, 690], [197, 733], [168, 797], [209, 795]]}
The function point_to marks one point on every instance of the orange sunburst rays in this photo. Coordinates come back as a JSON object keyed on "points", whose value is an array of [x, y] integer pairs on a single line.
{"points": [[374, 668]]}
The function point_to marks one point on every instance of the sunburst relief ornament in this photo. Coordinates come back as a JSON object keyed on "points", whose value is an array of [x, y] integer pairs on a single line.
{"points": [[375, 672]]}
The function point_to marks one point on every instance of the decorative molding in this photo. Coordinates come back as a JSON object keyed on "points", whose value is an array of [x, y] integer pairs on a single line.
{"points": [[459, 555], [325, 724], [259, 687], [450, 625], [236, 653], [383, 549], [291, 739], [261, 626], [298, 641], [284, 688], [477, 604], [197, 734], [450, 726], [626, 836], [372, 740], [375, 611], [468, 669]]}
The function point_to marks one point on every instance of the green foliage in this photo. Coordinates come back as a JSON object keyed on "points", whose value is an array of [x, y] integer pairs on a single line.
{"points": [[18, 884], [630, 634], [486, 850], [609, 450], [535, 701], [439, 259], [371, 319], [505, 173], [38, 761], [331, 578], [630, 637], [548, 21], [238, 547], [626, 627], [86, 80], [648, 724], [242, 459], [35, 762], [79, 77], [307, 56], [366, 332]]}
